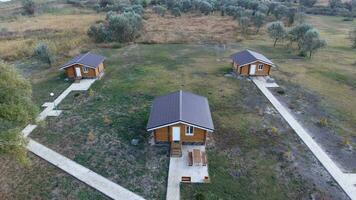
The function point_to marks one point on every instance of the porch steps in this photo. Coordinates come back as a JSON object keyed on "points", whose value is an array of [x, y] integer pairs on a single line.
{"points": [[176, 150]]}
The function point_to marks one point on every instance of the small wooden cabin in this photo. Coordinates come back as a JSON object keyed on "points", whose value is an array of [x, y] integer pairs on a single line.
{"points": [[251, 63], [88, 65], [180, 118]]}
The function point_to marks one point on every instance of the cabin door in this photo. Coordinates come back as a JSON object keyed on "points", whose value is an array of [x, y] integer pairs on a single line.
{"points": [[252, 69], [176, 134], [78, 73]]}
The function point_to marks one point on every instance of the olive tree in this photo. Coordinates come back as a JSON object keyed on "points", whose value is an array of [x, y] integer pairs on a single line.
{"points": [[28, 6], [307, 3], [297, 33], [16, 110], [276, 31], [258, 19], [312, 42], [205, 7], [244, 23], [43, 53], [176, 12], [99, 33]]}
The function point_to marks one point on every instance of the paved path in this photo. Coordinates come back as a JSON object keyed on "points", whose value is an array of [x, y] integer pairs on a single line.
{"points": [[83, 174], [173, 191], [345, 180], [89, 177], [83, 85]]}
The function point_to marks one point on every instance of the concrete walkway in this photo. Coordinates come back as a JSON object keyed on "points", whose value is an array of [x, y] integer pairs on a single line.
{"points": [[49, 110], [83, 174], [345, 180], [178, 167]]}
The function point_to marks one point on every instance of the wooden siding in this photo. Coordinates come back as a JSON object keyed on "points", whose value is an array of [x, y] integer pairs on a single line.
{"points": [[165, 134], [92, 73], [245, 70]]}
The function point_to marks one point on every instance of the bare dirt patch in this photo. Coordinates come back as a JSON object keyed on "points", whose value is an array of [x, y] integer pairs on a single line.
{"points": [[189, 27], [325, 128]]}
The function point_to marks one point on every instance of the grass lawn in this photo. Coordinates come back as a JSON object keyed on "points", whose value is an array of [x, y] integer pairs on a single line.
{"points": [[245, 159]]}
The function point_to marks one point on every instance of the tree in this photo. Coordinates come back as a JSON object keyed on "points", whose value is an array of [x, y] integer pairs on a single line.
{"points": [[176, 12], [291, 15], [205, 7], [352, 37], [297, 33], [280, 11], [312, 42], [244, 23], [28, 6], [160, 10], [186, 5], [99, 32], [124, 27], [276, 31], [335, 4], [16, 110], [307, 3], [43, 53], [258, 19]]}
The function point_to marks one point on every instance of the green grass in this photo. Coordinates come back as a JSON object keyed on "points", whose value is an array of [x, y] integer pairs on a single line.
{"points": [[118, 112]]}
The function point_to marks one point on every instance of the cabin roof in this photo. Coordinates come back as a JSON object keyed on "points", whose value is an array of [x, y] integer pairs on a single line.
{"points": [[180, 107], [247, 56], [88, 59]]}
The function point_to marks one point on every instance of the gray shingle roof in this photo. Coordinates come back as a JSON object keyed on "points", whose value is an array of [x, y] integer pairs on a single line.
{"points": [[88, 59], [248, 56], [180, 106]]}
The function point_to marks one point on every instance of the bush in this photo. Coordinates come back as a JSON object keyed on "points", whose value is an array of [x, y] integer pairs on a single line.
{"points": [[124, 27], [121, 28], [28, 6], [276, 31], [99, 33], [176, 12], [43, 53], [160, 10], [205, 7]]}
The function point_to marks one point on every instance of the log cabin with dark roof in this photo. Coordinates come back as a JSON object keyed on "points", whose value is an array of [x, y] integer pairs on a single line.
{"points": [[251, 63], [87, 65], [180, 118]]}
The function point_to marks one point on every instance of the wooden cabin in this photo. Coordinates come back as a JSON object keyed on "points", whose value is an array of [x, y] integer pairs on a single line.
{"points": [[88, 65], [251, 63], [180, 118]]}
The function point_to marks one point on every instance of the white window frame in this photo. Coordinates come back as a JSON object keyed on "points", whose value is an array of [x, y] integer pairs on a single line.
{"points": [[189, 130], [260, 67], [86, 69]]}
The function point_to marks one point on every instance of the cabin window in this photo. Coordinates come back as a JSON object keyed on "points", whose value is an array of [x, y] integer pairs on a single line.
{"points": [[85, 69], [189, 130], [260, 67]]}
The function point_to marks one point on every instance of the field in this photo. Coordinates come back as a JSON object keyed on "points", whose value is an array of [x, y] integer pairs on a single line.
{"points": [[252, 155]]}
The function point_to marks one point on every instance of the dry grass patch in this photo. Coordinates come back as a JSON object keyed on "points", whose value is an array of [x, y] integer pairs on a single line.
{"points": [[190, 27]]}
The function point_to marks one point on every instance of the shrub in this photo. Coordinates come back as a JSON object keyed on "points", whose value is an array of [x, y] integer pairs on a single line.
{"points": [[312, 42], [307, 3], [99, 33], [17, 109], [186, 5], [43, 53], [323, 121], [205, 7], [28, 6], [258, 20], [121, 28], [124, 27], [160, 10], [176, 12], [199, 196], [276, 31]]}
